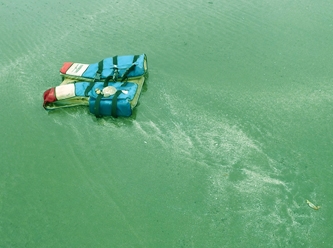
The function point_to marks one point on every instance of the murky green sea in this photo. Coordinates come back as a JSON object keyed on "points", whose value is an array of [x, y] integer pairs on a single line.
{"points": [[232, 135]]}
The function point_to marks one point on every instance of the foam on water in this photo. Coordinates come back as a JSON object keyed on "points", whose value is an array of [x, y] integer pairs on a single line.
{"points": [[246, 189]]}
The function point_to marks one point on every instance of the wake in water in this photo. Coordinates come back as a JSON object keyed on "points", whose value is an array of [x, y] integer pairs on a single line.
{"points": [[246, 187]]}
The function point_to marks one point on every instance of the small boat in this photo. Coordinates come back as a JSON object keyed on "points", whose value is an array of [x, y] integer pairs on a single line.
{"points": [[111, 87]]}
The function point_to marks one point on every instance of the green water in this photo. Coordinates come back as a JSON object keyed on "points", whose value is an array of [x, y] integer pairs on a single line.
{"points": [[231, 137]]}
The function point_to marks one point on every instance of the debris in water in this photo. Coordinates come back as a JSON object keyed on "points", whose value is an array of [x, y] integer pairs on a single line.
{"points": [[311, 205]]}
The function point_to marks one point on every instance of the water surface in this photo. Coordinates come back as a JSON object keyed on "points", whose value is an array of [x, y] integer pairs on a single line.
{"points": [[232, 134]]}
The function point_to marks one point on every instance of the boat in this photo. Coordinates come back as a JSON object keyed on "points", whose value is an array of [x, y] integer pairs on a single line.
{"points": [[111, 87]]}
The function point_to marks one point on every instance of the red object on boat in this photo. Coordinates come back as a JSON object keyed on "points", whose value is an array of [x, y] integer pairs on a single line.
{"points": [[65, 67], [49, 96]]}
